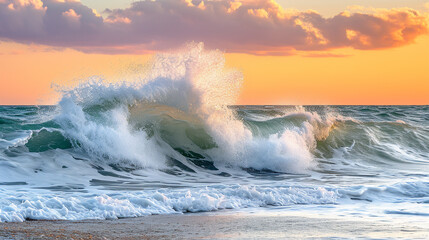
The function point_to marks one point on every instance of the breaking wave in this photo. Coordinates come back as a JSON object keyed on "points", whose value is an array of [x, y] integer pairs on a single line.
{"points": [[181, 108]]}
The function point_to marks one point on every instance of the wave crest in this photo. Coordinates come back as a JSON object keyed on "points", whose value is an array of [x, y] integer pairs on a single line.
{"points": [[183, 102]]}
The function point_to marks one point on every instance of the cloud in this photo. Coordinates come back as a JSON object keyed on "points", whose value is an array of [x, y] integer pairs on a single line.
{"points": [[258, 27], [71, 13]]}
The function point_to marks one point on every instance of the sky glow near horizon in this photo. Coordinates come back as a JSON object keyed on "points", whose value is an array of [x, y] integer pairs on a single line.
{"points": [[359, 52]]}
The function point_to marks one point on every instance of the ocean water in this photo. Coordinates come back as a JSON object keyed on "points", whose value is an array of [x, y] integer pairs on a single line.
{"points": [[174, 141]]}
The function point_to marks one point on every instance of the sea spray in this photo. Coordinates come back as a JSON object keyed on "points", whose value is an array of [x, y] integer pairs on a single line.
{"points": [[96, 117]]}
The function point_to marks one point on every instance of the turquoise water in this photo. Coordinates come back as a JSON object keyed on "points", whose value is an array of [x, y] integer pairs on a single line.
{"points": [[371, 154]]}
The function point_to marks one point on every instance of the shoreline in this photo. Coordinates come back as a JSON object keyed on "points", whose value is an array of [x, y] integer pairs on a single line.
{"points": [[218, 225]]}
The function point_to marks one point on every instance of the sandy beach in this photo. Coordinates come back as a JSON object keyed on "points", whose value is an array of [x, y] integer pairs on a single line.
{"points": [[214, 226]]}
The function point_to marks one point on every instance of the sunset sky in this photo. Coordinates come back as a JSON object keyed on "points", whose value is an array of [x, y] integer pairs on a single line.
{"points": [[289, 51]]}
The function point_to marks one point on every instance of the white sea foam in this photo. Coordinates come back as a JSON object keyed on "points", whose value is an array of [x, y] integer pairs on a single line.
{"points": [[41, 204], [38, 205], [15, 139]]}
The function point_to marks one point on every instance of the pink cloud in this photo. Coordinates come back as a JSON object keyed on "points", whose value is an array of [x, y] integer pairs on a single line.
{"points": [[259, 27], [71, 13]]}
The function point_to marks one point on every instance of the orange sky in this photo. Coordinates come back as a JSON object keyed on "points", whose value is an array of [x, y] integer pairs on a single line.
{"points": [[391, 76]]}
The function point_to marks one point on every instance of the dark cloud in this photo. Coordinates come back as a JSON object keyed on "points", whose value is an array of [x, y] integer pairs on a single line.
{"points": [[257, 27]]}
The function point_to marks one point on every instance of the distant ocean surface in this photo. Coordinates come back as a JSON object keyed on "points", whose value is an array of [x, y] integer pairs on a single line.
{"points": [[174, 142]]}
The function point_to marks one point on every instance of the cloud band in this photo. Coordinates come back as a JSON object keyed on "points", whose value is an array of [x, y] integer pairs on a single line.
{"points": [[255, 27]]}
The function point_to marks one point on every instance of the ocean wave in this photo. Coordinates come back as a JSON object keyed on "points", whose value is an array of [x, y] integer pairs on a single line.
{"points": [[43, 205], [25, 206], [183, 103]]}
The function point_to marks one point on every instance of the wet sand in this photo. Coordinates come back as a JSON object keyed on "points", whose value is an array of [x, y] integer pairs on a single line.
{"points": [[212, 226]]}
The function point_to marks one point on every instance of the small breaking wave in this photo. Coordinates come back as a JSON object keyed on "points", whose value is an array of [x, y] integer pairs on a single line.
{"points": [[25, 206]]}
